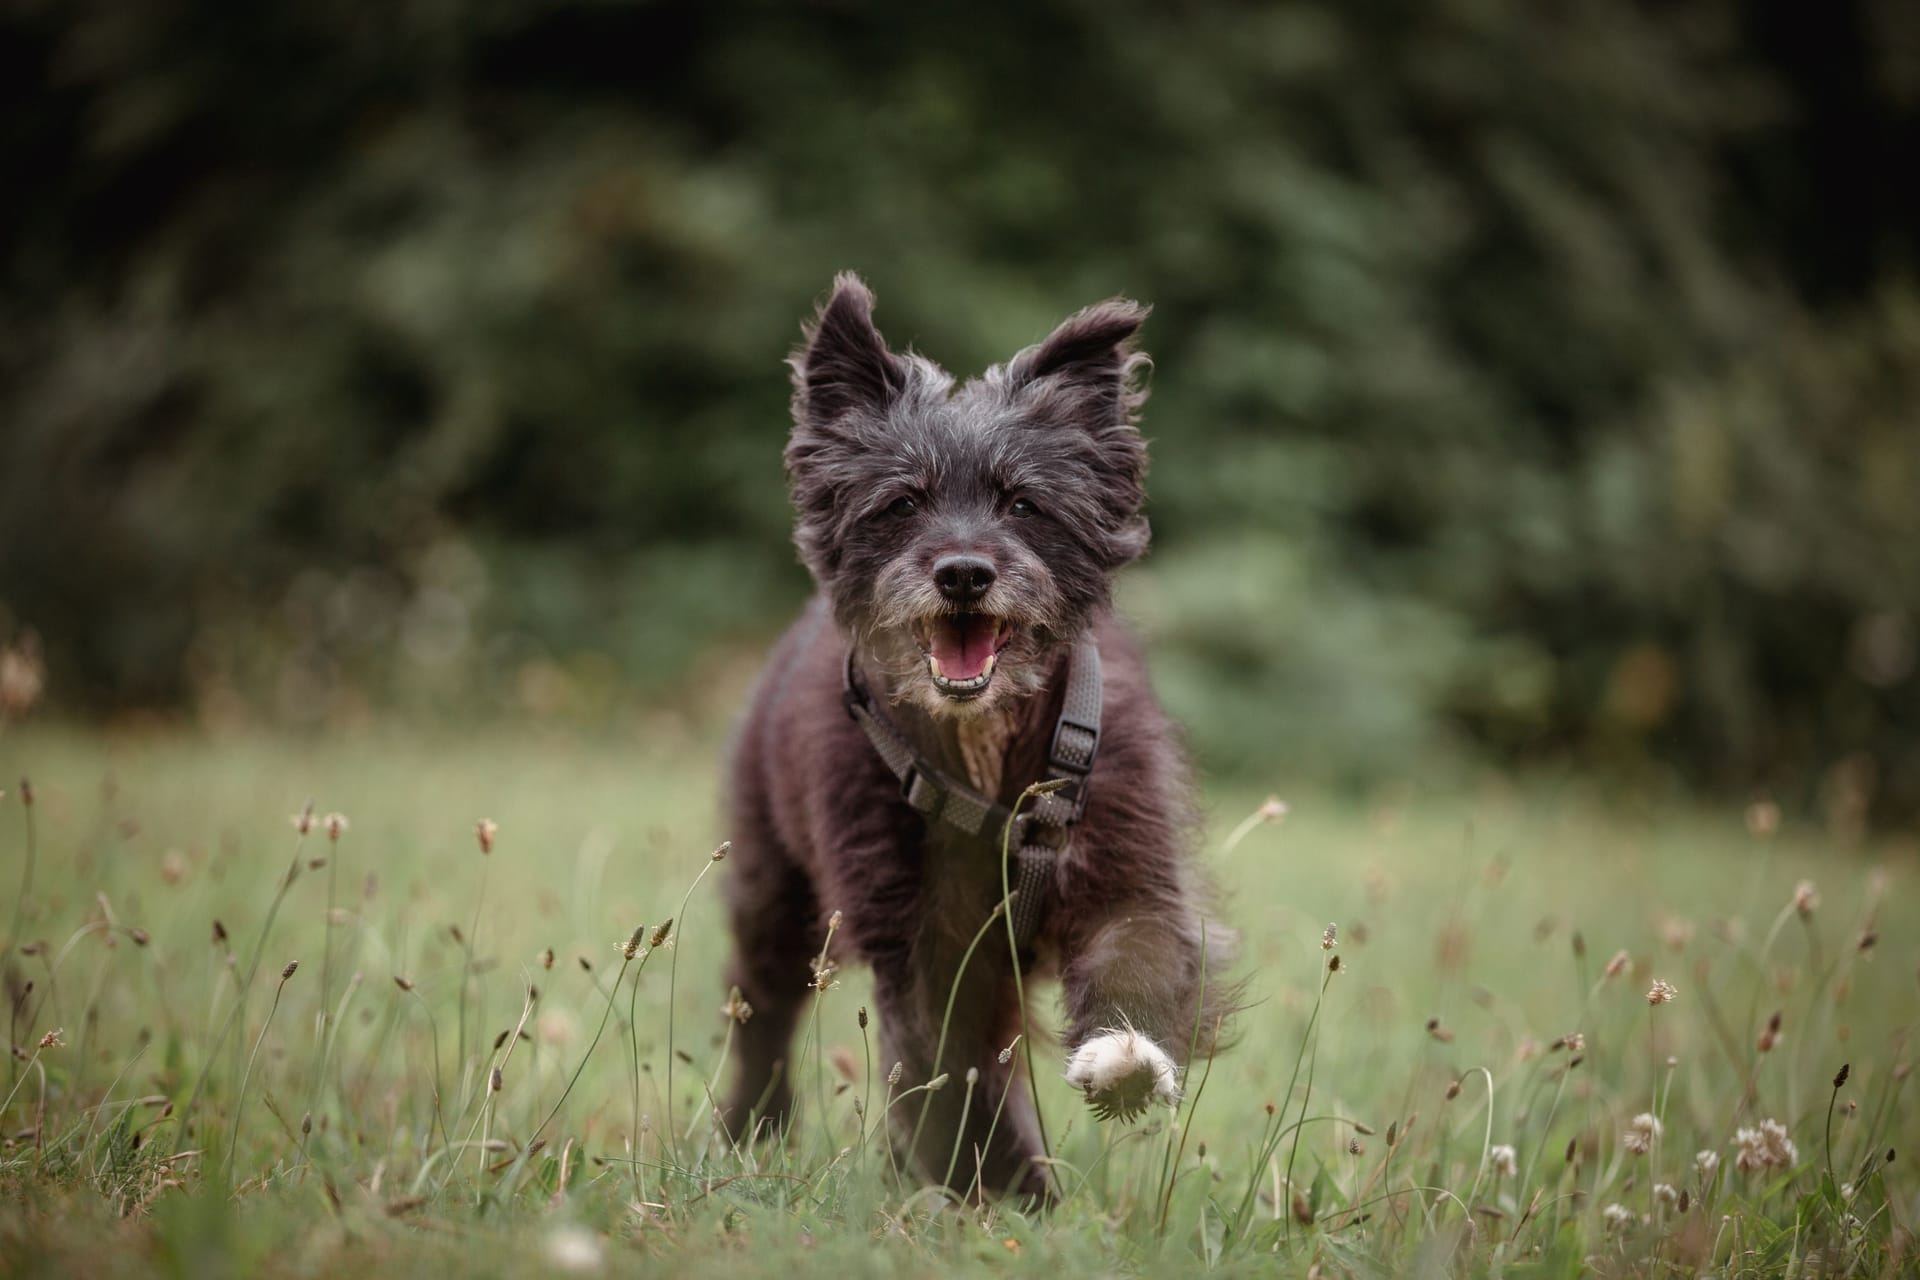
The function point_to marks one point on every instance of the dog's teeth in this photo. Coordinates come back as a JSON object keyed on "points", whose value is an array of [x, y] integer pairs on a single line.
{"points": [[988, 669], [933, 665]]}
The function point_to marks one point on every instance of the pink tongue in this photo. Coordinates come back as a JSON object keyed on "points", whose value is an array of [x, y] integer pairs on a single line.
{"points": [[963, 645]]}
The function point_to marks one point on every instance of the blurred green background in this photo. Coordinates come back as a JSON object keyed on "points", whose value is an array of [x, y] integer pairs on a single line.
{"points": [[1536, 384]]}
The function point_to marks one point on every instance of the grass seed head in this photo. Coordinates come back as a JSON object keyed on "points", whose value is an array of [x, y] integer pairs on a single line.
{"points": [[1661, 992], [53, 1040], [402, 982], [288, 971], [1640, 1135], [336, 824], [1503, 1160], [1328, 936], [1840, 1076], [1763, 819], [303, 820], [495, 1081], [1806, 898], [1618, 965], [721, 850], [634, 939], [484, 832], [1765, 1146], [546, 958], [660, 934]]}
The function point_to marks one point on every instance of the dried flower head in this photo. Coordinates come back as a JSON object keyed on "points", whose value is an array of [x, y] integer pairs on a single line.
{"points": [[1764, 1147], [1328, 936], [484, 831], [1640, 1135], [546, 958], [661, 933], [1333, 964], [53, 1040], [1840, 1076], [1453, 1091], [303, 820], [495, 1081], [404, 983], [1437, 1031], [1806, 898], [23, 674], [288, 971], [1665, 1193], [1618, 965], [632, 946], [1572, 1042], [721, 850], [336, 824], [1770, 1036], [1661, 992], [736, 1009], [1355, 1147], [1504, 1160], [893, 1076], [1617, 1217], [1272, 809]]}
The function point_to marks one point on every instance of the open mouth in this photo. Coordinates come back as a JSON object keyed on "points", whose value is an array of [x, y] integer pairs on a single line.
{"points": [[961, 650]]}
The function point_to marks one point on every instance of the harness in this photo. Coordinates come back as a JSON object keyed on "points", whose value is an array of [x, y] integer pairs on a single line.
{"points": [[1044, 826]]}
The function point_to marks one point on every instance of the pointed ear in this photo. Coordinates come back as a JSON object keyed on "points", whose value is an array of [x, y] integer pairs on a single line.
{"points": [[844, 363], [1091, 362]]}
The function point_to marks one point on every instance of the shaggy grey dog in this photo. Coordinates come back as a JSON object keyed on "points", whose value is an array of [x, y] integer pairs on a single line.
{"points": [[964, 537]]}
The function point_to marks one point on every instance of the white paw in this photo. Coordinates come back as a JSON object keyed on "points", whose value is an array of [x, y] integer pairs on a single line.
{"points": [[1120, 1072]]}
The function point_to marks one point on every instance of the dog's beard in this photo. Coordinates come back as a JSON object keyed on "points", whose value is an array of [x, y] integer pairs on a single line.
{"points": [[952, 660]]}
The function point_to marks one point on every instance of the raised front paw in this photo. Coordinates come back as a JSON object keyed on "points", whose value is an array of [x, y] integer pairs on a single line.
{"points": [[1120, 1072]]}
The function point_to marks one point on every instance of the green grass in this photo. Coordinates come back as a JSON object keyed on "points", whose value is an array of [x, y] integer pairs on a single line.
{"points": [[1431, 1044]]}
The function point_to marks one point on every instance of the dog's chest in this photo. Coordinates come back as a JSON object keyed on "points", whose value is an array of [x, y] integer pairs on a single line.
{"points": [[983, 749]]}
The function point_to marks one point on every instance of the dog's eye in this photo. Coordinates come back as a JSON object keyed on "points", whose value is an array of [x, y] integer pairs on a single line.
{"points": [[1022, 507], [902, 506]]}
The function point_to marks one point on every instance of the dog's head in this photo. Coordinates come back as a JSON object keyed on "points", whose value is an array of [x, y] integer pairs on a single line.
{"points": [[963, 533]]}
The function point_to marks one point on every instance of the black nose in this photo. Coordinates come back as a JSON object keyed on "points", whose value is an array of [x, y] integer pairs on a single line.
{"points": [[963, 579]]}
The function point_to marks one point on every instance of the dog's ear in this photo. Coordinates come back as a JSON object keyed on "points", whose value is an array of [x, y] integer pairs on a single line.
{"points": [[844, 364], [1090, 364]]}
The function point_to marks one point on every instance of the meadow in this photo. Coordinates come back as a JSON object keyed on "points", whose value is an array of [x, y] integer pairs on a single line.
{"points": [[1492, 1028]]}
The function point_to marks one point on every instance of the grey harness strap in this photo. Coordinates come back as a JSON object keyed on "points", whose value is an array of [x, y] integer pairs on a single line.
{"points": [[1041, 832]]}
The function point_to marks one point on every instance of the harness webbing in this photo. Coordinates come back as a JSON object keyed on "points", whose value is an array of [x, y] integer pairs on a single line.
{"points": [[1044, 826]]}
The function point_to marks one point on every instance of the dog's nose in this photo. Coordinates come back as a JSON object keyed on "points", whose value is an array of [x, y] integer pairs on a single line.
{"points": [[963, 579]]}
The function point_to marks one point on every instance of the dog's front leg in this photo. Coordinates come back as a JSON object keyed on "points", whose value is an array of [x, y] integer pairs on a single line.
{"points": [[1143, 991]]}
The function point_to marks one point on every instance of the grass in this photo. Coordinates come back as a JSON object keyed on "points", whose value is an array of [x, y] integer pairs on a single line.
{"points": [[470, 1066]]}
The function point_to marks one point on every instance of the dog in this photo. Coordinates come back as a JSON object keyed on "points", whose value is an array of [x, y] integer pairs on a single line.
{"points": [[963, 539]]}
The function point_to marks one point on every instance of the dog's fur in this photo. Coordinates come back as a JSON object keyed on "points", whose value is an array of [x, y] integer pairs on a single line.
{"points": [[1038, 469]]}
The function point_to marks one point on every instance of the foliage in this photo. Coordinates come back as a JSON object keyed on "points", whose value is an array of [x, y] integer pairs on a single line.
{"points": [[1516, 385]]}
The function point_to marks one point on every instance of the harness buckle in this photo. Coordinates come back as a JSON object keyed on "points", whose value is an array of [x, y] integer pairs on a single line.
{"points": [[1079, 764]]}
